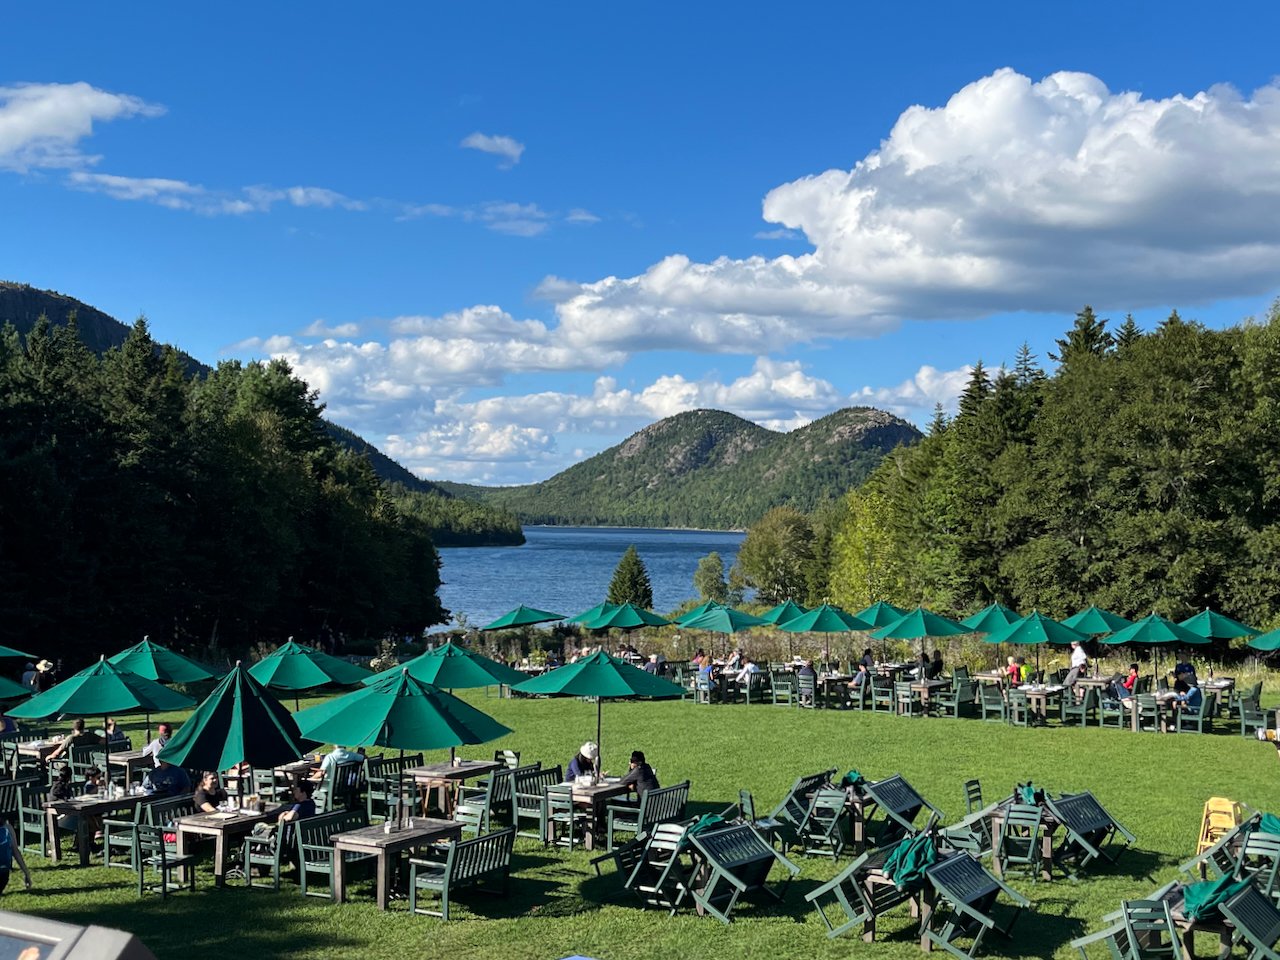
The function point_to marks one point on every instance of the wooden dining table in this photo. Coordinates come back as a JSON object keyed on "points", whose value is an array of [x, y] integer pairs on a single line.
{"points": [[228, 831], [84, 807], [446, 777], [595, 798], [133, 762], [386, 849]]}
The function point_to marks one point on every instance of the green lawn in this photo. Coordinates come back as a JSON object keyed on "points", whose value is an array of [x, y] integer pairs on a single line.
{"points": [[1156, 785]]}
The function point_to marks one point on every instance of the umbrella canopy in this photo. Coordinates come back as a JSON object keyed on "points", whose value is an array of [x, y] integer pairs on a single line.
{"points": [[1094, 620], [522, 616], [920, 623], [595, 613], [453, 667], [150, 660], [881, 614], [11, 689], [295, 667], [1266, 642], [10, 652], [601, 676], [100, 691], [239, 722], [399, 711], [1216, 626], [824, 619], [724, 620], [1155, 629], [786, 610], [626, 617], [1035, 628], [992, 618], [698, 611]]}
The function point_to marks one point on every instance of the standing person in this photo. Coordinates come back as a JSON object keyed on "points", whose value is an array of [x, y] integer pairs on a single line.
{"points": [[44, 678], [652, 665], [1079, 660], [9, 852], [163, 732], [584, 764]]}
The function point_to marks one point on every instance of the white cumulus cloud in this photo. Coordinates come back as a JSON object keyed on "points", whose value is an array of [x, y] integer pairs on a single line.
{"points": [[916, 397], [508, 148], [1013, 195], [42, 124]]}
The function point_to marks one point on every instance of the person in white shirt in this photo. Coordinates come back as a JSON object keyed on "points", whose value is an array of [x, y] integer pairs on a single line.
{"points": [[163, 732], [748, 668], [1079, 660]]}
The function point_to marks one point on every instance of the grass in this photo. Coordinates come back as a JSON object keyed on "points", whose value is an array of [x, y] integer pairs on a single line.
{"points": [[1155, 785]]}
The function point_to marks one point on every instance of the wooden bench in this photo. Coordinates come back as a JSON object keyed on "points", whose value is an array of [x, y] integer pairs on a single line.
{"points": [[964, 899], [467, 863], [315, 846], [735, 860], [666, 805], [1087, 830]]}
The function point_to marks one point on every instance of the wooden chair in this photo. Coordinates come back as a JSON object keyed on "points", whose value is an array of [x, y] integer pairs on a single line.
{"points": [[900, 804], [1145, 931], [1222, 858], [564, 822], [1259, 861], [1083, 711], [315, 847], [737, 861], [965, 897], [1257, 922], [341, 787], [790, 813], [961, 698], [907, 702], [529, 798], [151, 853], [807, 691], [1252, 719], [484, 862], [666, 805], [972, 835], [784, 688], [882, 694], [1088, 830], [1198, 720], [992, 703], [270, 852], [1018, 844], [660, 875], [859, 895], [972, 796], [825, 828], [1220, 817]]}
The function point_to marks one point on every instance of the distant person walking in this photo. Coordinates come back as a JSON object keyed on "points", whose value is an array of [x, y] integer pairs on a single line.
{"points": [[44, 678], [29, 676]]}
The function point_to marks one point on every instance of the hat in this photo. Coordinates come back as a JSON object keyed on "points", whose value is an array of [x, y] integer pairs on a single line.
{"points": [[590, 751], [44, 665]]}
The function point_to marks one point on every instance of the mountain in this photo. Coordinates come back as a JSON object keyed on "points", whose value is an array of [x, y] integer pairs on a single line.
{"points": [[708, 469], [453, 522]]}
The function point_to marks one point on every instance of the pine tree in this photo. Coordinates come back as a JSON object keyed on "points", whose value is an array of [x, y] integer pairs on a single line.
{"points": [[1128, 333], [1025, 369], [630, 583], [975, 392], [1088, 337], [940, 421]]}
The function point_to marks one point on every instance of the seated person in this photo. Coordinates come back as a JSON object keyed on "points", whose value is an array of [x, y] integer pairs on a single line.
{"points": [[867, 659], [78, 737], [1187, 671], [303, 806], [166, 780], [1013, 671], [1190, 699], [640, 777], [163, 732], [209, 794], [735, 660], [337, 755], [584, 764], [1129, 685], [749, 667], [94, 781], [700, 659], [113, 733], [652, 665], [861, 679], [806, 670], [935, 666], [7, 723], [921, 670]]}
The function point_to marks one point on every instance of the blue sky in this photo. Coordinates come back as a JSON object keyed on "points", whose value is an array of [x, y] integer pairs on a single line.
{"points": [[501, 238]]}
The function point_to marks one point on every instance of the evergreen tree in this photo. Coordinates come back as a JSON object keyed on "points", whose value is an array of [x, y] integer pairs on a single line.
{"points": [[1128, 332], [1089, 337], [709, 579], [975, 392], [939, 422], [630, 583]]}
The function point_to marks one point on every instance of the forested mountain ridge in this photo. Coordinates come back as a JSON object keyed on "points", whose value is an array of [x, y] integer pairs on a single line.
{"points": [[452, 523], [708, 469]]}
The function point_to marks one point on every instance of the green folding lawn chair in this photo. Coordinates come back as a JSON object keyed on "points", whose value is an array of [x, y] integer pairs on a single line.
{"points": [[735, 861], [1088, 831], [1144, 931]]}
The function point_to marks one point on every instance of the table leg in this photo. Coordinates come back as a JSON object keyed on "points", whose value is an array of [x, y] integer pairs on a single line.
{"points": [[182, 846], [385, 863], [82, 840], [52, 847], [340, 877], [1046, 856], [219, 858], [927, 905]]}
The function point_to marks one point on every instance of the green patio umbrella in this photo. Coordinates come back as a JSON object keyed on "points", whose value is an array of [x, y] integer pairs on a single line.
{"points": [[1155, 631], [12, 690], [918, 624], [786, 610], [599, 610], [626, 617], [1266, 642], [992, 618], [239, 722], [522, 616], [101, 690], [295, 668], [10, 652], [603, 677], [150, 660], [724, 620], [826, 619], [1216, 626], [399, 711], [1095, 621], [698, 611], [453, 667], [1034, 629], [881, 614]]}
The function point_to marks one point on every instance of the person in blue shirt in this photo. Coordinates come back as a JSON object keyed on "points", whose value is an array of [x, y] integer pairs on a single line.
{"points": [[166, 780], [1189, 700], [10, 851], [303, 805], [584, 764]]}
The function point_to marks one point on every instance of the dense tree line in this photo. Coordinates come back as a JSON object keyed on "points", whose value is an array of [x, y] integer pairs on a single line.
{"points": [[1141, 475], [135, 499]]}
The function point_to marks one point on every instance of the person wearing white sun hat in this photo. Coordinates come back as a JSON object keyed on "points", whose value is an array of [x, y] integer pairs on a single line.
{"points": [[584, 764]]}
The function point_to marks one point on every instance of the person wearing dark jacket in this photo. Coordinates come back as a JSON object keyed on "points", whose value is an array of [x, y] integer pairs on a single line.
{"points": [[640, 777]]}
